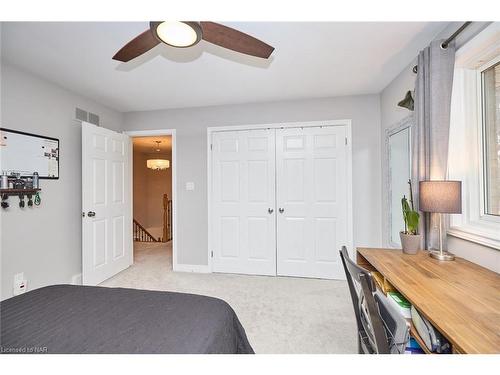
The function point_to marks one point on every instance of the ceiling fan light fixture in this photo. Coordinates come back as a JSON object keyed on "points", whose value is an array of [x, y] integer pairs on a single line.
{"points": [[179, 34]]}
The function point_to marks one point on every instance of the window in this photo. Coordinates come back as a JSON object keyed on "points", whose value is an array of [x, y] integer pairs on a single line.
{"points": [[474, 145], [490, 102]]}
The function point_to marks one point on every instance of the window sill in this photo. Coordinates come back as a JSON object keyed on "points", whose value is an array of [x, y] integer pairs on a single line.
{"points": [[477, 236]]}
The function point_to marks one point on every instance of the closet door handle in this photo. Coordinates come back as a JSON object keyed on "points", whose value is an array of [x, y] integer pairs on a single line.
{"points": [[270, 210], [281, 210], [91, 214]]}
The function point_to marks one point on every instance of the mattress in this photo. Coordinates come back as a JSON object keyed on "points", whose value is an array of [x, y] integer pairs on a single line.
{"points": [[85, 319]]}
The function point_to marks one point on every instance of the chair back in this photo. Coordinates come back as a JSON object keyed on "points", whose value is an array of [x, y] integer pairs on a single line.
{"points": [[372, 338]]}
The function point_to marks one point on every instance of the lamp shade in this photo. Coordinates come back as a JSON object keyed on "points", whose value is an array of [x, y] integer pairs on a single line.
{"points": [[441, 196], [158, 164]]}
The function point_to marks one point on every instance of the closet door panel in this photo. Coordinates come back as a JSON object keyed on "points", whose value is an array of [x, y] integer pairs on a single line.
{"points": [[243, 191], [312, 201]]}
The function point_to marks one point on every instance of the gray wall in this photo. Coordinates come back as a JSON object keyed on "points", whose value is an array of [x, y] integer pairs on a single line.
{"points": [[391, 114], [45, 242], [191, 125]]}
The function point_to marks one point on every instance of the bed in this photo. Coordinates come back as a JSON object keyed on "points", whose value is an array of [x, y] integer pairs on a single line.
{"points": [[85, 319]]}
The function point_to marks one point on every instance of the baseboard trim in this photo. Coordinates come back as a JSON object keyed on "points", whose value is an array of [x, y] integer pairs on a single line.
{"points": [[197, 268]]}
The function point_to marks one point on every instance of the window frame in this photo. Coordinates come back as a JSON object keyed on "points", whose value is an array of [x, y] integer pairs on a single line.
{"points": [[466, 144], [482, 123]]}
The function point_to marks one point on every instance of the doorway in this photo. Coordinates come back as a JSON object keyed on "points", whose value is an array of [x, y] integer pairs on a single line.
{"points": [[153, 195]]}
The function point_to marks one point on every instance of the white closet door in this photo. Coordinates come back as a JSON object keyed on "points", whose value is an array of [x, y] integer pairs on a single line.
{"points": [[311, 201], [244, 221]]}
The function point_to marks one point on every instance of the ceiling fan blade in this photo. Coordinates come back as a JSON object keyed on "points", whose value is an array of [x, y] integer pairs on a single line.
{"points": [[137, 46], [235, 40]]}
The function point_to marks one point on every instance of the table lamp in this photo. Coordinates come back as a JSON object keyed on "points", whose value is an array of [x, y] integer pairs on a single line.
{"points": [[442, 197]]}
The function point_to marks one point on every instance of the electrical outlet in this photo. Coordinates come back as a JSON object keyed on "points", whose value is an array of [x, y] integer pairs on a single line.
{"points": [[20, 284], [189, 186]]}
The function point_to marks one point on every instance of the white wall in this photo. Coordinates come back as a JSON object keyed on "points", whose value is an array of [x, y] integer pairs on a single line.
{"points": [[191, 125], [391, 114], [45, 242]]}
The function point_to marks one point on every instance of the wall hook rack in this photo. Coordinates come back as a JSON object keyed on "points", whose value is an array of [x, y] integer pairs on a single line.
{"points": [[21, 193], [20, 186]]}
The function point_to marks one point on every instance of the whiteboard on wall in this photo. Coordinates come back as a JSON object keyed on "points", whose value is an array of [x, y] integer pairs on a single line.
{"points": [[26, 153]]}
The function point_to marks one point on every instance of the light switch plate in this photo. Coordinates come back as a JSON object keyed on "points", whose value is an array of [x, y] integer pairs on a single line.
{"points": [[189, 186]]}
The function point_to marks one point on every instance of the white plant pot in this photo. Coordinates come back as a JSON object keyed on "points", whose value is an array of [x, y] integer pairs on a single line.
{"points": [[410, 243]]}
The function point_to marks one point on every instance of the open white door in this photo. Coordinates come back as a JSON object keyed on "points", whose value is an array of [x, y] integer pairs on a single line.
{"points": [[106, 203]]}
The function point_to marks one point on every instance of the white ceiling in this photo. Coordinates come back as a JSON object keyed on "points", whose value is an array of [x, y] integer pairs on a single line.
{"points": [[311, 60]]}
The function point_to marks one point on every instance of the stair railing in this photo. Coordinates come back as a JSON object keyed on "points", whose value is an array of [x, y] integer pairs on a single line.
{"points": [[141, 234], [167, 219]]}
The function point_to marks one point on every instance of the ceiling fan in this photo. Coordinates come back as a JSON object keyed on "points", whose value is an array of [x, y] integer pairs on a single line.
{"points": [[188, 33]]}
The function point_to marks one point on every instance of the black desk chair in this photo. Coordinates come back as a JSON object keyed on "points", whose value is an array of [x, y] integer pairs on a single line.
{"points": [[372, 337]]}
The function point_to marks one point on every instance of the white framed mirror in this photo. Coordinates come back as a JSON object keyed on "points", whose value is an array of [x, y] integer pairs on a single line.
{"points": [[398, 155]]}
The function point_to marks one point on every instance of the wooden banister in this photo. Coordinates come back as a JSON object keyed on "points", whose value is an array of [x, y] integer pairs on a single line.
{"points": [[167, 219], [141, 234]]}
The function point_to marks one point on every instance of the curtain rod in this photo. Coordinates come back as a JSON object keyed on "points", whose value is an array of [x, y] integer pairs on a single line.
{"points": [[445, 44]]}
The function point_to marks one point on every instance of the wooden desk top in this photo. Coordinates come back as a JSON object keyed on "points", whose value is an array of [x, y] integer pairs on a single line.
{"points": [[460, 298]]}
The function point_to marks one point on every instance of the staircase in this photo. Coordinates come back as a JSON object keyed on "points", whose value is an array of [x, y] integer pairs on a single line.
{"points": [[141, 234]]}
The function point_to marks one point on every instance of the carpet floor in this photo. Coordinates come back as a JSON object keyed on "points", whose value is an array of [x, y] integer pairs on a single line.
{"points": [[279, 314]]}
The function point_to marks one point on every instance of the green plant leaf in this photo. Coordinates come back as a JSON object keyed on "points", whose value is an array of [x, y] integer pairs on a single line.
{"points": [[410, 217]]}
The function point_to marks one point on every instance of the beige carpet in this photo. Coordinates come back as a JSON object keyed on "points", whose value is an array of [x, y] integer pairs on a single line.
{"points": [[279, 314]]}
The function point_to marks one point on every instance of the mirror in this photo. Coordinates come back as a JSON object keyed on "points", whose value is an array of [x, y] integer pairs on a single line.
{"points": [[398, 142]]}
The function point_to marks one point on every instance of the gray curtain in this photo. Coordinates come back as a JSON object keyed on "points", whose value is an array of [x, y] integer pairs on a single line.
{"points": [[432, 125]]}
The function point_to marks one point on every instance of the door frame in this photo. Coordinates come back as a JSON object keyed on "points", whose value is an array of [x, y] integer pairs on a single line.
{"points": [[152, 133], [344, 122]]}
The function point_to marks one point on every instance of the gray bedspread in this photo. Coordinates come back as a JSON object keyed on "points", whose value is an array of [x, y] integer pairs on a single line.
{"points": [[83, 319]]}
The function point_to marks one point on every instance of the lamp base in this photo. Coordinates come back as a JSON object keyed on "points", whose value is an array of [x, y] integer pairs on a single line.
{"points": [[441, 256]]}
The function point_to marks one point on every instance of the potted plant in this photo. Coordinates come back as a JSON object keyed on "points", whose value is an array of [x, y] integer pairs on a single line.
{"points": [[410, 239]]}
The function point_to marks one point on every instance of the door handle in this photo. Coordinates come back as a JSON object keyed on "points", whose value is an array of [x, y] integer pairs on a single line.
{"points": [[270, 210], [91, 214], [281, 210]]}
